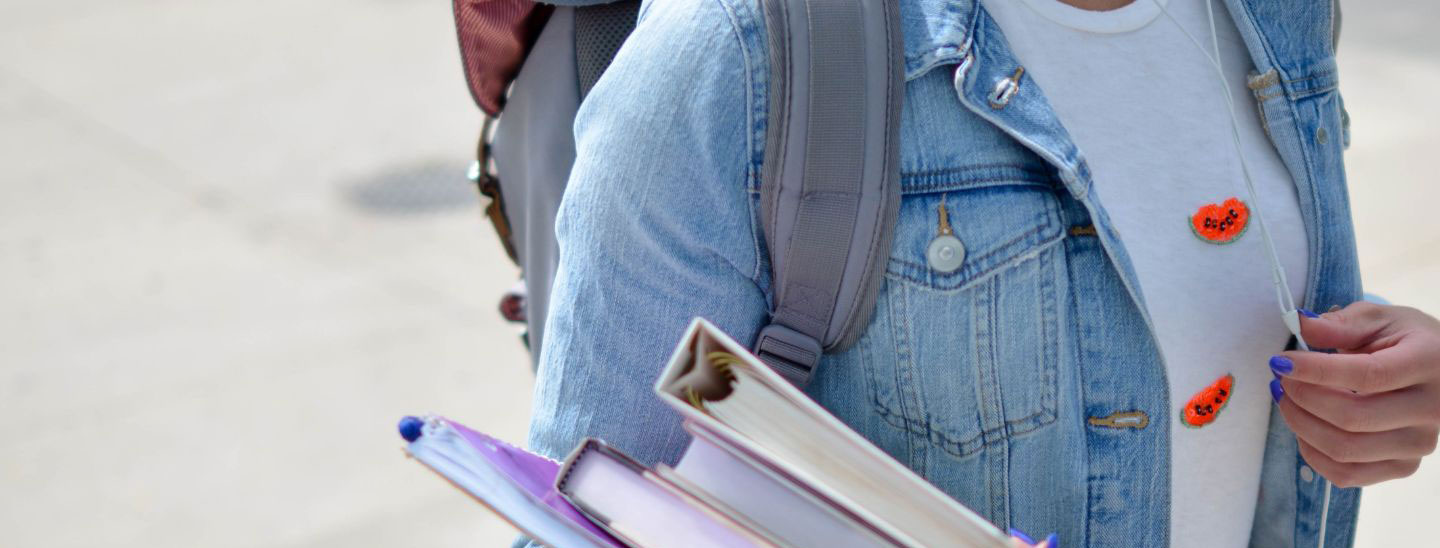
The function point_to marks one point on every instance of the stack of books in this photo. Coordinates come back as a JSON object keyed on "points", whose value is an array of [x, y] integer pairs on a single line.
{"points": [[766, 466]]}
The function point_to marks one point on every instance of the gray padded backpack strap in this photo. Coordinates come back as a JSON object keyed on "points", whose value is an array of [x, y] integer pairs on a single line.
{"points": [[600, 30], [830, 188]]}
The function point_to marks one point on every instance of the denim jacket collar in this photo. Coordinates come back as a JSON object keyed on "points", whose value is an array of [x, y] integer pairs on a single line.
{"points": [[936, 33]]}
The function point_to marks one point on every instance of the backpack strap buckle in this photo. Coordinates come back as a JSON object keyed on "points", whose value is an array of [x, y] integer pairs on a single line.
{"points": [[792, 354]]}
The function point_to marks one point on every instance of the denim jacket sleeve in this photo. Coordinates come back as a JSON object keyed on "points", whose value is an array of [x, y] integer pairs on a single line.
{"points": [[656, 227]]}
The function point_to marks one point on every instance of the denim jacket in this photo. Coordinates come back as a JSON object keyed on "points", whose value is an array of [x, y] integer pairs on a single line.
{"points": [[994, 381]]}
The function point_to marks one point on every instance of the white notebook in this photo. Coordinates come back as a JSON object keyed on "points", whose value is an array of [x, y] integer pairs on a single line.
{"points": [[796, 514], [720, 386], [635, 504]]}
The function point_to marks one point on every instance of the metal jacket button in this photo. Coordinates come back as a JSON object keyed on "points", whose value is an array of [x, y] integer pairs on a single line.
{"points": [[946, 253]]}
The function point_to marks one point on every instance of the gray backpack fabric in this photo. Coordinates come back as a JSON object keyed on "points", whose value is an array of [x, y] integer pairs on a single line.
{"points": [[532, 147], [830, 187]]}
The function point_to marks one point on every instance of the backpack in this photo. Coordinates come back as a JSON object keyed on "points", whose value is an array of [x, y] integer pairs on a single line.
{"points": [[830, 188]]}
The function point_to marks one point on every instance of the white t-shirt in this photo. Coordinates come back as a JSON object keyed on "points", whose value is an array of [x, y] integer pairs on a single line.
{"points": [[1143, 105]]}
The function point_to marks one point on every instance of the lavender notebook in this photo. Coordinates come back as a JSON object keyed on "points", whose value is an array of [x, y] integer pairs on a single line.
{"points": [[514, 483]]}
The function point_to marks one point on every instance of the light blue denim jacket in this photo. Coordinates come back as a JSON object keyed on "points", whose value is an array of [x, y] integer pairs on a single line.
{"points": [[985, 380]]}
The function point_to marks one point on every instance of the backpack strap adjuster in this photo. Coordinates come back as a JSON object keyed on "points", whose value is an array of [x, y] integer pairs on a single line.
{"points": [[792, 354]]}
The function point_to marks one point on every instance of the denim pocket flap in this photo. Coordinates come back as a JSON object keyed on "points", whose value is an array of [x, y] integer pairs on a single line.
{"points": [[996, 224]]}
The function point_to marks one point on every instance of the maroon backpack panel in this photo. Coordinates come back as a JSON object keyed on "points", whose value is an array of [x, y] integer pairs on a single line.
{"points": [[495, 36]]}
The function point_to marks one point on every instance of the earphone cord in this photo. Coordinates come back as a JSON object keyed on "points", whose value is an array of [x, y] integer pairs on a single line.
{"points": [[1284, 298]]}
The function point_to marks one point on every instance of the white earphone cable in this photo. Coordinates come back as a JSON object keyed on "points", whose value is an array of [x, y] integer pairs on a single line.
{"points": [[1288, 312], [1282, 285]]}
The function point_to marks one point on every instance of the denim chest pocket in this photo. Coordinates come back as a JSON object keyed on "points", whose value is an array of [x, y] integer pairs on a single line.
{"points": [[974, 345]]}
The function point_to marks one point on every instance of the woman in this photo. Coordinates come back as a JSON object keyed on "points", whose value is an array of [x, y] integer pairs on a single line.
{"points": [[1104, 357]]}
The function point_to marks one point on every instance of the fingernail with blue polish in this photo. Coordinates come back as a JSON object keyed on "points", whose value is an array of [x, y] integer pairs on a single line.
{"points": [[1281, 365], [1308, 314], [1022, 536], [1052, 541], [1276, 390]]}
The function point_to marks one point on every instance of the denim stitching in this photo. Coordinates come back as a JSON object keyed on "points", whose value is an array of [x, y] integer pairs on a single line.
{"points": [[756, 124], [902, 352], [978, 266], [755, 96], [971, 444], [1313, 245], [1328, 74], [925, 426], [975, 167], [943, 53], [969, 284], [1288, 86], [905, 390], [1048, 329], [946, 178], [983, 358], [912, 396], [930, 187], [1322, 74], [865, 348], [1305, 94]]}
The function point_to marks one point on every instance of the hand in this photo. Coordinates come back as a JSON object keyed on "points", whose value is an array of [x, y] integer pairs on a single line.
{"points": [[1369, 413]]}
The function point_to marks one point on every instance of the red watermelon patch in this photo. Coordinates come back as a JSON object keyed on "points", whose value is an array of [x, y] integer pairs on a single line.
{"points": [[1221, 223], [1202, 409]]}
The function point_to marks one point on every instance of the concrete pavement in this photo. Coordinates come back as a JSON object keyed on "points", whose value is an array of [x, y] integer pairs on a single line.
{"points": [[230, 264], [235, 247]]}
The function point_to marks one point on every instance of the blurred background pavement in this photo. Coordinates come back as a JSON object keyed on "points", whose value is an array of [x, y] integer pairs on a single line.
{"points": [[236, 245]]}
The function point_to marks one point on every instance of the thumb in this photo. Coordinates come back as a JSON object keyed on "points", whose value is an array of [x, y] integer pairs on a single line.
{"points": [[1351, 328]]}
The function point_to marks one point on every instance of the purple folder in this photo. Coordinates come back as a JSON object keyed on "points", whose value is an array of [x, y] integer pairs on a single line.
{"points": [[514, 483]]}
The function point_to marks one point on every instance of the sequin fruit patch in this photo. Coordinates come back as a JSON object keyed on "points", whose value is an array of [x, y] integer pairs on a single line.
{"points": [[1221, 223], [1205, 405]]}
